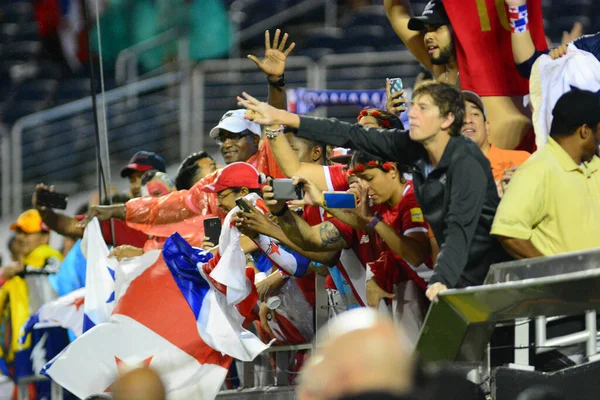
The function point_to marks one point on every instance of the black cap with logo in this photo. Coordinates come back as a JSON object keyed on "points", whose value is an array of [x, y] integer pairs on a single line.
{"points": [[434, 14]]}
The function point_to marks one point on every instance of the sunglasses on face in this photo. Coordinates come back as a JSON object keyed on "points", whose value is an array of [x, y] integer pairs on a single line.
{"points": [[222, 137]]}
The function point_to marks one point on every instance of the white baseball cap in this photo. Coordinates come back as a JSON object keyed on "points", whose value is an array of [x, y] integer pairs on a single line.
{"points": [[234, 121]]}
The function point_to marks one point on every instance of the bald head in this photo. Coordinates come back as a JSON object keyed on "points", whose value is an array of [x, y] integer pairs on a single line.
{"points": [[139, 384], [364, 352]]}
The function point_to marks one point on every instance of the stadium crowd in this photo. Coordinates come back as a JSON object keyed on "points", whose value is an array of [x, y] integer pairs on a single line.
{"points": [[391, 215]]}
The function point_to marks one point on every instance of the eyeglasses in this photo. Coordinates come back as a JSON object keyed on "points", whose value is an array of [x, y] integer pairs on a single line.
{"points": [[223, 195], [222, 137]]}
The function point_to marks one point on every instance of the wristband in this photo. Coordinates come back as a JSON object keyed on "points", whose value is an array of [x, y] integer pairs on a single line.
{"points": [[278, 83], [377, 218], [282, 212], [519, 20], [284, 275], [271, 133]]}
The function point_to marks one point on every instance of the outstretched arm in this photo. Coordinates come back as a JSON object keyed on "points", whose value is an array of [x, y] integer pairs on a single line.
{"points": [[399, 13], [388, 144]]}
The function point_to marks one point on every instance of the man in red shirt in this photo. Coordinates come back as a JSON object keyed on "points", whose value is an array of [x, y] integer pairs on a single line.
{"points": [[448, 39]]}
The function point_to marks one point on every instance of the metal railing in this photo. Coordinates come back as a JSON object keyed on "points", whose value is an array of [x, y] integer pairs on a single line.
{"points": [[57, 145], [126, 66]]}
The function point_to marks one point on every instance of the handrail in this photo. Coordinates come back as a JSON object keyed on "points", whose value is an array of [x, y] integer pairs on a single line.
{"points": [[127, 58], [41, 117], [275, 20]]}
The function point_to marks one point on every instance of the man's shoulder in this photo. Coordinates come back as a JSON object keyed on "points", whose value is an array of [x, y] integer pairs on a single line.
{"points": [[466, 150]]}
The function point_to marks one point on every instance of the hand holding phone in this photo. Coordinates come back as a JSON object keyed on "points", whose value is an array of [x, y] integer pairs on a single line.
{"points": [[339, 200], [395, 104], [46, 198], [212, 229], [243, 205], [284, 189]]}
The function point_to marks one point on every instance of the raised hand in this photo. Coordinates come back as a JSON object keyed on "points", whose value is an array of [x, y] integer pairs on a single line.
{"points": [[576, 32], [395, 104], [258, 111], [273, 64], [38, 187]]}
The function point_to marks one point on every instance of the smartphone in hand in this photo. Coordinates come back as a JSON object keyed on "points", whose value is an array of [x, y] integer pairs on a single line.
{"points": [[243, 205], [50, 199], [396, 85], [339, 200], [212, 229], [284, 189]]}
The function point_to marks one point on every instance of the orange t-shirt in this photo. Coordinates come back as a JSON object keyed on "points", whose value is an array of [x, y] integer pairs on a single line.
{"points": [[501, 160]]}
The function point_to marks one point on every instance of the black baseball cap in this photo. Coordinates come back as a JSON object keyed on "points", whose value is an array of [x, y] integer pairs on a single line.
{"points": [[474, 98], [433, 14], [143, 161], [576, 108]]}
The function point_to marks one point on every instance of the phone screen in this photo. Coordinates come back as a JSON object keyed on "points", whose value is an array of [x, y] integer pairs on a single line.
{"points": [[396, 85], [339, 200]]}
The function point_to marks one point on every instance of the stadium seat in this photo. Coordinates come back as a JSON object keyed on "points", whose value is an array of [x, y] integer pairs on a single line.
{"points": [[39, 89], [22, 51], [18, 12], [28, 32]]}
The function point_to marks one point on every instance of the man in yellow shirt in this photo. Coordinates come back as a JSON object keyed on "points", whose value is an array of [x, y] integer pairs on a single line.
{"points": [[552, 204]]}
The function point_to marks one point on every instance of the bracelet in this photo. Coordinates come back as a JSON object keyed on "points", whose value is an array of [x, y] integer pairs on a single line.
{"points": [[279, 83], [377, 218], [519, 20], [282, 212], [284, 275], [272, 133]]}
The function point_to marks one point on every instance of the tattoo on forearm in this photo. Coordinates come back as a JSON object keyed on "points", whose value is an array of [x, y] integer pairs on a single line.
{"points": [[329, 234]]}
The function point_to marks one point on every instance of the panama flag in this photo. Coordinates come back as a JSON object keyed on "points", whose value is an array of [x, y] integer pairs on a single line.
{"points": [[219, 321], [152, 325], [66, 312], [99, 277]]}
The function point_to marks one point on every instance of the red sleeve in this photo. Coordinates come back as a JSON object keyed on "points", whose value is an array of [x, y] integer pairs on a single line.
{"points": [[346, 231], [165, 215], [480, 25], [336, 178], [411, 215]]}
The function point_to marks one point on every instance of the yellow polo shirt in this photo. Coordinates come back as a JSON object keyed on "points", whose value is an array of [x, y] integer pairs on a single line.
{"points": [[553, 202]]}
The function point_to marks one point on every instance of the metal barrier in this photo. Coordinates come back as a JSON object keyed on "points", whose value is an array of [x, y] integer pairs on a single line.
{"points": [[57, 145], [126, 66]]}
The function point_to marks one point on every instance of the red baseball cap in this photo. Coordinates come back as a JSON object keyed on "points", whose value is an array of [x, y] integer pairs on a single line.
{"points": [[143, 161], [235, 175]]}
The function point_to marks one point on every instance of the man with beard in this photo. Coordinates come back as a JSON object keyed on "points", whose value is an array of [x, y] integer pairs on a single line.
{"points": [[445, 49]]}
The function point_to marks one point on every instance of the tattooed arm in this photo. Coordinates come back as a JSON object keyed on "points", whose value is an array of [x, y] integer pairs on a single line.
{"points": [[322, 237]]}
